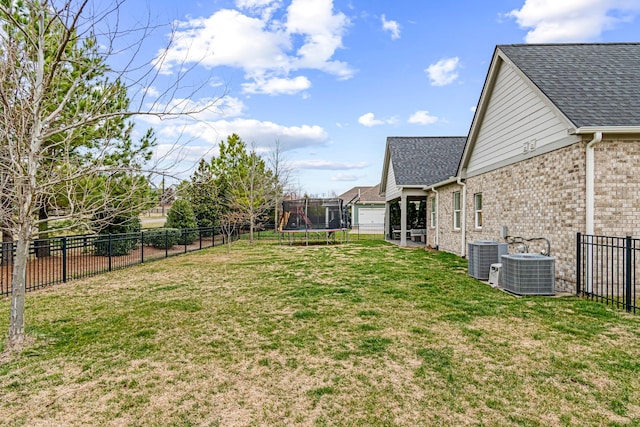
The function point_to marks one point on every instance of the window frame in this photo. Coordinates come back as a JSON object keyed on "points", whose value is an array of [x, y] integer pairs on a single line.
{"points": [[457, 211], [478, 217], [432, 211]]}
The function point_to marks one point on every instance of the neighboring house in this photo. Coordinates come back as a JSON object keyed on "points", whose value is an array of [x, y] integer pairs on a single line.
{"points": [[411, 165], [367, 208], [553, 150]]}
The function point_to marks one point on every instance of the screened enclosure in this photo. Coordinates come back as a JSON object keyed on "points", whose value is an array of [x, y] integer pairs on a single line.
{"points": [[312, 215]]}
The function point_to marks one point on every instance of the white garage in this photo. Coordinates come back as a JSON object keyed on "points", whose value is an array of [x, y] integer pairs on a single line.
{"points": [[371, 219]]}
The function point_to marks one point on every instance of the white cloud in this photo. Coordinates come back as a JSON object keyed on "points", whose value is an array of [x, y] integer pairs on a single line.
{"points": [[277, 86], [369, 120], [327, 165], [152, 92], [255, 4], [266, 45], [227, 37], [346, 177], [572, 20], [473, 108], [443, 72], [322, 31], [204, 109], [262, 133], [265, 8], [422, 117], [392, 26]]}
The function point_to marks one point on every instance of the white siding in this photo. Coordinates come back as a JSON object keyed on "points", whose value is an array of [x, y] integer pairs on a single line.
{"points": [[392, 191], [514, 115]]}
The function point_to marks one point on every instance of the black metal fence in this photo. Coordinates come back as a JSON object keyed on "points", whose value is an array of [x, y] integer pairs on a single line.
{"points": [[369, 231], [607, 268], [61, 259]]}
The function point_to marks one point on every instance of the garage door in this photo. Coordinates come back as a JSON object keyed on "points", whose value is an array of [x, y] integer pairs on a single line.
{"points": [[371, 218]]}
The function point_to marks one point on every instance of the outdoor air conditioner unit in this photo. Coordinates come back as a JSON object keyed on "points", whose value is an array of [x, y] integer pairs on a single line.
{"points": [[481, 254], [528, 274]]}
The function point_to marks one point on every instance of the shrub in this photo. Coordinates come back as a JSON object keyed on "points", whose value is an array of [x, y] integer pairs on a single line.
{"points": [[124, 237], [181, 216], [121, 244], [162, 238]]}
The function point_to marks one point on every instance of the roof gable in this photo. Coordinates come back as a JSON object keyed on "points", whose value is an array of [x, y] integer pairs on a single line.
{"points": [[367, 194], [584, 85], [592, 84], [422, 161], [371, 195]]}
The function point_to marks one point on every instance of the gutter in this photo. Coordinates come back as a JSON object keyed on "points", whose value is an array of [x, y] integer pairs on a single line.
{"points": [[590, 178], [437, 228], [441, 183], [585, 130], [463, 220], [590, 184]]}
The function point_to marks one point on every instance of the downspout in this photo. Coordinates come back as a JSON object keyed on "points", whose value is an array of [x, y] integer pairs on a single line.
{"points": [[590, 184], [463, 220], [437, 228], [590, 166]]}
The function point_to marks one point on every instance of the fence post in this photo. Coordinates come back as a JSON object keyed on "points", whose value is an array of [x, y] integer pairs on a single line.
{"points": [[141, 247], [627, 275], [64, 259], [109, 246], [184, 239], [166, 243], [578, 262]]}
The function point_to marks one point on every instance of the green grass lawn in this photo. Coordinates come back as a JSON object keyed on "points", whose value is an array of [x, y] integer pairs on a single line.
{"points": [[359, 334]]}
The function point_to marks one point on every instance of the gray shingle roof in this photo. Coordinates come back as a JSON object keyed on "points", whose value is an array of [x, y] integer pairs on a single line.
{"points": [[372, 195], [592, 84], [367, 194], [425, 160]]}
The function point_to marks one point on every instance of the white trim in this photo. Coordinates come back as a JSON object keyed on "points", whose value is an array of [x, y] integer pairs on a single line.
{"points": [[433, 209], [477, 212], [457, 211], [607, 129]]}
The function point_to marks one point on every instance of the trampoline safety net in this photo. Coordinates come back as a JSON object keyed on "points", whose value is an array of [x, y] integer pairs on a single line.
{"points": [[312, 214]]}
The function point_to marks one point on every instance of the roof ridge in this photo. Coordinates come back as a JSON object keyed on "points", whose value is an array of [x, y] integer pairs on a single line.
{"points": [[428, 136], [568, 44]]}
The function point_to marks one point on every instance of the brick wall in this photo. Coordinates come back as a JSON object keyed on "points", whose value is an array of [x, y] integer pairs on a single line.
{"points": [[617, 188], [539, 197], [544, 196], [449, 239]]}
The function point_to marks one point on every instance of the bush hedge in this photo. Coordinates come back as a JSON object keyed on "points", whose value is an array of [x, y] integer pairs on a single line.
{"points": [[120, 244], [163, 238]]}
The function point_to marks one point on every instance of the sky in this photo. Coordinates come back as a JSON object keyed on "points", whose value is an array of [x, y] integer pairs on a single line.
{"points": [[330, 80]]}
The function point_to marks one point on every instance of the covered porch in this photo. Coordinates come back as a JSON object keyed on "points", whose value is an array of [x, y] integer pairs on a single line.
{"points": [[406, 218]]}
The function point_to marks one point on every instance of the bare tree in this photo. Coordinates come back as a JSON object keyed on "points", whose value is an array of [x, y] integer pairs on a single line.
{"points": [[230, 222], [251, 190], [63, 115], [282, 176]]}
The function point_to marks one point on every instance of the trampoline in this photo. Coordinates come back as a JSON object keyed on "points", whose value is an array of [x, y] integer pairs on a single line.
{"points": [[313, 218]]}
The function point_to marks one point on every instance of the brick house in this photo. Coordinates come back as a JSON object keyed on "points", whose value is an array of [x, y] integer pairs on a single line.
{"points": [[553, 149], [411, 165]]}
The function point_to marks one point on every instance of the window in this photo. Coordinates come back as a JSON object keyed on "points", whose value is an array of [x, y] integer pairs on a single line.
{"points": [[478, 209], [457, 214], [433, 212]]}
